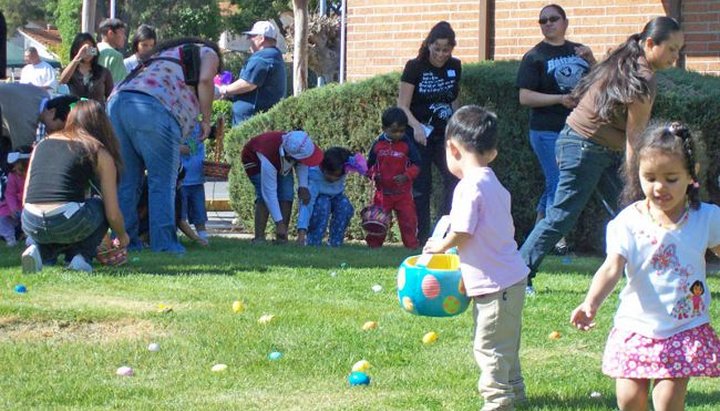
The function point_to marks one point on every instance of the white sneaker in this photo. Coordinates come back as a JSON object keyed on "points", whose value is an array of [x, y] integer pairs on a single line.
{"points": [[31, 260], [78, 263], [203, 234]]}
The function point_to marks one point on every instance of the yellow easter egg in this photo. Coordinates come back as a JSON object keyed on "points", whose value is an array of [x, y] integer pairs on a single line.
{"points": [[238, 307], [370, 325], [430, 337], [555, 335], [361, 366]]}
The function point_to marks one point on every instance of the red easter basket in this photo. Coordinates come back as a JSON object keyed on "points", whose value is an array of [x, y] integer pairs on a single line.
{"points": [[375, 221], [110, 253]]}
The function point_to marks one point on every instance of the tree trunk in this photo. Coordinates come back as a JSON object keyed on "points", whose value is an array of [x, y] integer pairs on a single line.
{"points": [[88, 16], [300, 52]]}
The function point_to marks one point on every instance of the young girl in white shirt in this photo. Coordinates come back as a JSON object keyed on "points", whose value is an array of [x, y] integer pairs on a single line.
{"points": [[662, 334]]}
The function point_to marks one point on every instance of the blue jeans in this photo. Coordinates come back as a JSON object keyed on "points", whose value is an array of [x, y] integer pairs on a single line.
{"points": [[149, 137], [432, 153], [543, 144], [193, 204], [285, 187], [585, 168], [80, 233], [341, 210]]}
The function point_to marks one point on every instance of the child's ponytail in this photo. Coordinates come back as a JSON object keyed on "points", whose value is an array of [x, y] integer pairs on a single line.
{"points": [[681, 131]]}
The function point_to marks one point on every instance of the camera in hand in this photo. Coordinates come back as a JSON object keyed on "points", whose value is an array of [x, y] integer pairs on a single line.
{"points": [[92, 51]]}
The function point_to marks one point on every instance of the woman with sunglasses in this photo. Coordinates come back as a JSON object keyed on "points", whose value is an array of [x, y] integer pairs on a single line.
{"points": [[547, 75], [614, 104]]}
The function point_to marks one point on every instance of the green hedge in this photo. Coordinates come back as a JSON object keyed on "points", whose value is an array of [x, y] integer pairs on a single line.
{"points": [[349, 115]]}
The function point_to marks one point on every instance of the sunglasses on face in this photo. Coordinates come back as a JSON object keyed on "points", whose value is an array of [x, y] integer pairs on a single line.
{"points": [[551, 19]]}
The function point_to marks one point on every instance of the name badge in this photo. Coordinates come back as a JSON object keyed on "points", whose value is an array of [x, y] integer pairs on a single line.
{"points": [[451, 73]]}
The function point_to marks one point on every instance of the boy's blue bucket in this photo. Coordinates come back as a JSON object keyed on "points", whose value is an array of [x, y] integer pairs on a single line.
{"points": [[435, 289]]}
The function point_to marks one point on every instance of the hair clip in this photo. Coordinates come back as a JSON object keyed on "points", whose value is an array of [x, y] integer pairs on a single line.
{"points": [[357, 164], [72, 105]]}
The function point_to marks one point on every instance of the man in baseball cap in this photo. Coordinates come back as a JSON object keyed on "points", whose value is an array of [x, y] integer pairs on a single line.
{"points": [[269, 160], [263, 80], [262, 28]]}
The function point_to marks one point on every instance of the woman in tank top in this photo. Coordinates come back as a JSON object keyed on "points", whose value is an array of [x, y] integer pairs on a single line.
{"points": [[59, 216], [614, 104]]}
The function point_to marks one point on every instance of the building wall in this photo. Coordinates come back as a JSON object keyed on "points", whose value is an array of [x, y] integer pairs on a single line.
{"points": [[701, 24], [383, 34]]}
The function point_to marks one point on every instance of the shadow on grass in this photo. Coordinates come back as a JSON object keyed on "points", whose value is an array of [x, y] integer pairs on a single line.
{"points": [[551, 402], [228, 257]]}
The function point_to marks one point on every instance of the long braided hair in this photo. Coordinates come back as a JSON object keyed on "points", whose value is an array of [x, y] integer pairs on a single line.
{"points": [[669, 138]]}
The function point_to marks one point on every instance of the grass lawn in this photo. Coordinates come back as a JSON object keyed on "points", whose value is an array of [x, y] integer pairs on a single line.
{"points": [[62, 341]]}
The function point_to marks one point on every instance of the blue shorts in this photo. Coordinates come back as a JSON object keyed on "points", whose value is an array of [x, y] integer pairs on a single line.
{"points": [[285, 187], [193, 204]]}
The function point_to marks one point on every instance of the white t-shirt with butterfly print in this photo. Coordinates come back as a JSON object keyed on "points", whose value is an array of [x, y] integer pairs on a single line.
{"points": [[666, 291]]}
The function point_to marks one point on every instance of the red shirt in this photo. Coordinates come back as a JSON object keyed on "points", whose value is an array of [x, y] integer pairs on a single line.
{"points": [[388, 159], [268, 144]]}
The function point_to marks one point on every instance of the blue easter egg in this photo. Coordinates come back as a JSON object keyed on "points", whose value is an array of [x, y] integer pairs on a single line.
{"points": [[20, 289], [358, 378], [275, 355]]}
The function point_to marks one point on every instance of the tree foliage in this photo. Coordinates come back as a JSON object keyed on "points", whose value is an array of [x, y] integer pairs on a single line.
{"points": [[18, 12]]}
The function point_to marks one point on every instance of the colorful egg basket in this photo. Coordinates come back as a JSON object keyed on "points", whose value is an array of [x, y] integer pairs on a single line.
{"points": [[433, 290], [110, 253]]}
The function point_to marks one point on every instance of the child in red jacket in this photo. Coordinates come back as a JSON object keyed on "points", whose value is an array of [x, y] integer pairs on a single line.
{"points": [[393, 165]]}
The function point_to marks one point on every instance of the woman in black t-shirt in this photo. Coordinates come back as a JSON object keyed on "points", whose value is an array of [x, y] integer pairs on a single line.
{"points": [[547, 75], [58, 216], [429, 89]]}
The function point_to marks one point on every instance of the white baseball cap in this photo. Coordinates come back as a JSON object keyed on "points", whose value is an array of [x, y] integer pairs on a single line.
{"points": [[298, 145], [263, 28]]}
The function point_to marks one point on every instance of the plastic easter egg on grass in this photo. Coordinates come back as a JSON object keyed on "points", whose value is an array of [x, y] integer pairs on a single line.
{"points": [[370, 325], [154, 347], [125, 371], [555, 335], [431, 285], [358, 378], [377, 288], [430, 338], [275, 355], [20, 289], [218, 368], [362, 366], [238, 307]]}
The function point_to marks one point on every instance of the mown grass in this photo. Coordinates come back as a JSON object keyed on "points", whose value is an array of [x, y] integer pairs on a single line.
{"points": [[61, 342]]}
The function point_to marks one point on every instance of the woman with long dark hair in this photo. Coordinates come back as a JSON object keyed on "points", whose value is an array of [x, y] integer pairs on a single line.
{"points": [[151, 112], [546, 77], [614, 104], [429, 89], [58, 216], [144, 40], [84, 76]]}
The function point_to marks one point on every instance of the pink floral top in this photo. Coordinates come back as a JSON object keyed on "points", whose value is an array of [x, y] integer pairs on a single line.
{"points": [[165, 81]]}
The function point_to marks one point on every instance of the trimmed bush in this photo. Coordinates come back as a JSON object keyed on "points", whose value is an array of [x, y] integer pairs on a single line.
{"points": [[349, 115]]}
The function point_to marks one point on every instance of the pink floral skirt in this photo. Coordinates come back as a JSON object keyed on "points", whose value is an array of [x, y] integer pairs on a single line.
{"points": [[691, 353]]}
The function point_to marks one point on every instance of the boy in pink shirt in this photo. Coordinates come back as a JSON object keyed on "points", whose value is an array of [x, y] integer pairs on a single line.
{"points": [[494, 274]]}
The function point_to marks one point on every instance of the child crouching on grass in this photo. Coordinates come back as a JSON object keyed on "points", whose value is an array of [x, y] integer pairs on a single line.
{"points": [[12, 193], [327, 198], [482, 229]]}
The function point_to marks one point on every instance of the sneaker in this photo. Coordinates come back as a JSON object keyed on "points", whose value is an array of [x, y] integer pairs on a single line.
{"points": [[78, 263], [31, 260], [561, 247], [203, 234], [11, 242], [530, 291]]}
